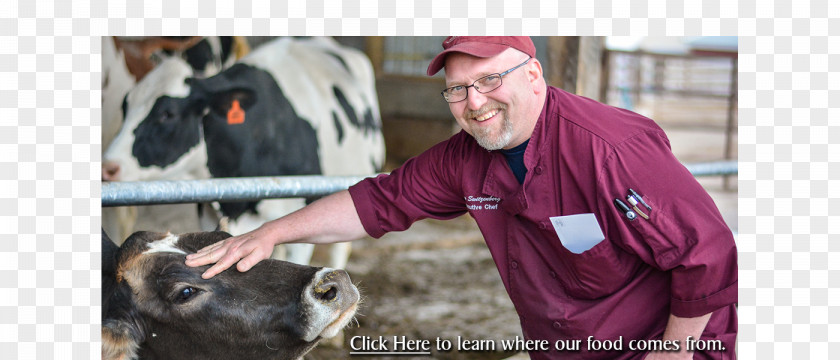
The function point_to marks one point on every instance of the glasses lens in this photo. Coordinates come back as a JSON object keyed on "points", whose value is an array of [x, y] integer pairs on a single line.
{"points": [[455, 94], [488, 83]]}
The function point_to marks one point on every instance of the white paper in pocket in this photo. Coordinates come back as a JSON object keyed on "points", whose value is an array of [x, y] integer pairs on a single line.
{"points": [[579, 232]]}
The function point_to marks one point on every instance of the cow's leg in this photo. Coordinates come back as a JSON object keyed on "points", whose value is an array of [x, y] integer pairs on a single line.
{"points": [[299, 253], [208, 216], [339, 255], [269, 210], [296, 253]]}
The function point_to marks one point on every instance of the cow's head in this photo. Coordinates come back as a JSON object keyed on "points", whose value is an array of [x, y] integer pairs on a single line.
{"points": [[158, 112], [154, 306], [236, 123]]}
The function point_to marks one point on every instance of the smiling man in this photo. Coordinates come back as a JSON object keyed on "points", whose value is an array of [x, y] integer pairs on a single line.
{"points": [[486, 113], [596, 229]]}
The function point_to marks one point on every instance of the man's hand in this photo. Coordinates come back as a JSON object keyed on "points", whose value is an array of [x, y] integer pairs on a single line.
{"points": [[330, 219], [247, 249], [679, 328], [681, 355]]}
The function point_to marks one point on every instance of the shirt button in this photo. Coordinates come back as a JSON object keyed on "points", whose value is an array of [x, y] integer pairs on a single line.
{"points": [[557, 325], [538, 170], [514, 265], [542, 226], [552, 274]]}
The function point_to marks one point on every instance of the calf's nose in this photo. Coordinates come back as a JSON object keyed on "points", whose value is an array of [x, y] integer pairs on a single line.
{"points": [[110, 171], [331, 286]]}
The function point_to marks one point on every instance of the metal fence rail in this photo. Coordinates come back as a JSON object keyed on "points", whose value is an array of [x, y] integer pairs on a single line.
{"points": [[224, 189], [257, 188], [713, 168]]}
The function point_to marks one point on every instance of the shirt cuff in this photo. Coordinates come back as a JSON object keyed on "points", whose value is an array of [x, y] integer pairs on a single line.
{"points": [[364, 208], [694, 308]]}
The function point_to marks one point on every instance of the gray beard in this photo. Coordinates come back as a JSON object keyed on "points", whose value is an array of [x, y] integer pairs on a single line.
{"points": [[489, 142]]}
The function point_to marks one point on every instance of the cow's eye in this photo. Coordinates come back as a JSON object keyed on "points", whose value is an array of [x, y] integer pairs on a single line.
{"points": [[186, 293], [166, 116]]}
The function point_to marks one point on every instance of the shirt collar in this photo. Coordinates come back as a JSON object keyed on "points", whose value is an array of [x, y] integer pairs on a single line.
{"points": [[505, 186]]}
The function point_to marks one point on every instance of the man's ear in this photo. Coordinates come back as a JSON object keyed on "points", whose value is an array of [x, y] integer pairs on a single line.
{"points": [[534, 70]]}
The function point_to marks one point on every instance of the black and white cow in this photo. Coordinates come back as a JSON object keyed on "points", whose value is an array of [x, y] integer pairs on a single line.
{"points": [[156, 307], [126, 60], [290, 107]]}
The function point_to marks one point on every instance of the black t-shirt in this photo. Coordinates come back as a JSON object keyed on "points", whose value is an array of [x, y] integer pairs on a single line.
{"points": [[516, 160]]}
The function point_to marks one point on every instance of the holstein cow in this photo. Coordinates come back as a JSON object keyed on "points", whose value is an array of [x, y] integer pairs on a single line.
{"points": [[156, 307], [290, 107], [126, 60]]}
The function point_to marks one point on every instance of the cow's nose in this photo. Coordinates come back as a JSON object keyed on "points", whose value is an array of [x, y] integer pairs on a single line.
{"points": [[110, 171], [331, 285]]}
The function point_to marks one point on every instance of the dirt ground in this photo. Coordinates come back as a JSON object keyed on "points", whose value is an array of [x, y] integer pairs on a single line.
{"points": [[437, 279]]}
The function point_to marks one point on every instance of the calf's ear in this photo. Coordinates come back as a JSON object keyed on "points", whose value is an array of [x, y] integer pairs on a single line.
{"points": [[109, 256], [122, 329], [119, 340]]}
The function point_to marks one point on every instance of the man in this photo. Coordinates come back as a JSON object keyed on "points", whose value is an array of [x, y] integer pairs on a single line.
{"points": [[637, 251]]}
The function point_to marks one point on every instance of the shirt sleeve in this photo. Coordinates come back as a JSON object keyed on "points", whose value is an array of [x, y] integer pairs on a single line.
{"points": [[424, 187], [684, 232]]}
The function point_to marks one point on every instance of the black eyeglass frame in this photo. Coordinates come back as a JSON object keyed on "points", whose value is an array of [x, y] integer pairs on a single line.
{"points": [[466, 88]]}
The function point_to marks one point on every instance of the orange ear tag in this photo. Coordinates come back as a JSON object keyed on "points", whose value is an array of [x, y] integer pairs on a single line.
{"points": [[235, 115]]}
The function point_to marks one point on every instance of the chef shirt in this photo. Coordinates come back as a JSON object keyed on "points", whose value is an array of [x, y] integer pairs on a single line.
{"points": [[582, 155]]}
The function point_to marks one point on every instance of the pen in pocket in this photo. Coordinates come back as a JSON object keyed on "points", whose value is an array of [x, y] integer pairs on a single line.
{"points": [[641, 200], [635, 204], [621, 206]]}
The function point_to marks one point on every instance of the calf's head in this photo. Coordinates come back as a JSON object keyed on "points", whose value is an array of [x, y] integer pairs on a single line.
{"points": [[156, 307]]}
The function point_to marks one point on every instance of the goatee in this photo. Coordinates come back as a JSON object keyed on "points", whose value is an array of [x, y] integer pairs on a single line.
{"points": [[484, 134]]}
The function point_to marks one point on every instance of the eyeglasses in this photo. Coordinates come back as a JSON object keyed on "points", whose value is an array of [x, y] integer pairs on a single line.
{"points": [[483, 85]]}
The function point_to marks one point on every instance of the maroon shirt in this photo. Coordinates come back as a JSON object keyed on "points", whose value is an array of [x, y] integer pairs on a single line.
{"points": [[581, 156]]}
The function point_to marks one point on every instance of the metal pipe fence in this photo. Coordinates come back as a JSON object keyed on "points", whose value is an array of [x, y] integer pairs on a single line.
{"points": [[258, 188], [221, 189]]}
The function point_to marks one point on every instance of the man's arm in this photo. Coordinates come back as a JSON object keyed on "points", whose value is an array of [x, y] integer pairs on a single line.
{"points": [[679, 328], [328, 220]]}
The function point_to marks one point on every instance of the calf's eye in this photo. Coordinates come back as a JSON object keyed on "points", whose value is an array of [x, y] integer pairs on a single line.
{"points": [[186, 293]]}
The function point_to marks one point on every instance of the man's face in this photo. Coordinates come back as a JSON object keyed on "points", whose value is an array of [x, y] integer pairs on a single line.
{"points": [[494, 119]]}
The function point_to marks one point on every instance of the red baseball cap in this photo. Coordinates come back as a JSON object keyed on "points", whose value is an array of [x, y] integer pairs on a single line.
{"points": [[480, 46]]}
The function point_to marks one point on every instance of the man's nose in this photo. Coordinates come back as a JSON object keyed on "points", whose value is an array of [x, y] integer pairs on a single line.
{"points": [[475, 100]]}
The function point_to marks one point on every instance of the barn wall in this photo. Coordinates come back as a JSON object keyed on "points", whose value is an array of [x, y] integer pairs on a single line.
{"points": [[414, 115]]}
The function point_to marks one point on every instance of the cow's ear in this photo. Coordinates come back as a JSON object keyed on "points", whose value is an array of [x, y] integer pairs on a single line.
{"points": [[118, 341], [122, 331], [228, 102]]}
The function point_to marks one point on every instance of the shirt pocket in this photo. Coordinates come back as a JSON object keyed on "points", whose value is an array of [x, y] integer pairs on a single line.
{"points": [[661, 233], [597, 272]]}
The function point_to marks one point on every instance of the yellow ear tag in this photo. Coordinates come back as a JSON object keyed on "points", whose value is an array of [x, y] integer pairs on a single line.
{"points": [[235, 115]]}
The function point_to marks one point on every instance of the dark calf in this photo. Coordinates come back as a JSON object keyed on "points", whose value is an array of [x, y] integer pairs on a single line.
{"points": [[156, 307]]}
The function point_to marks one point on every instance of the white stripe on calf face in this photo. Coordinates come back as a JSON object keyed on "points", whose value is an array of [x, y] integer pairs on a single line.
{"points": [[167, 244]]}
